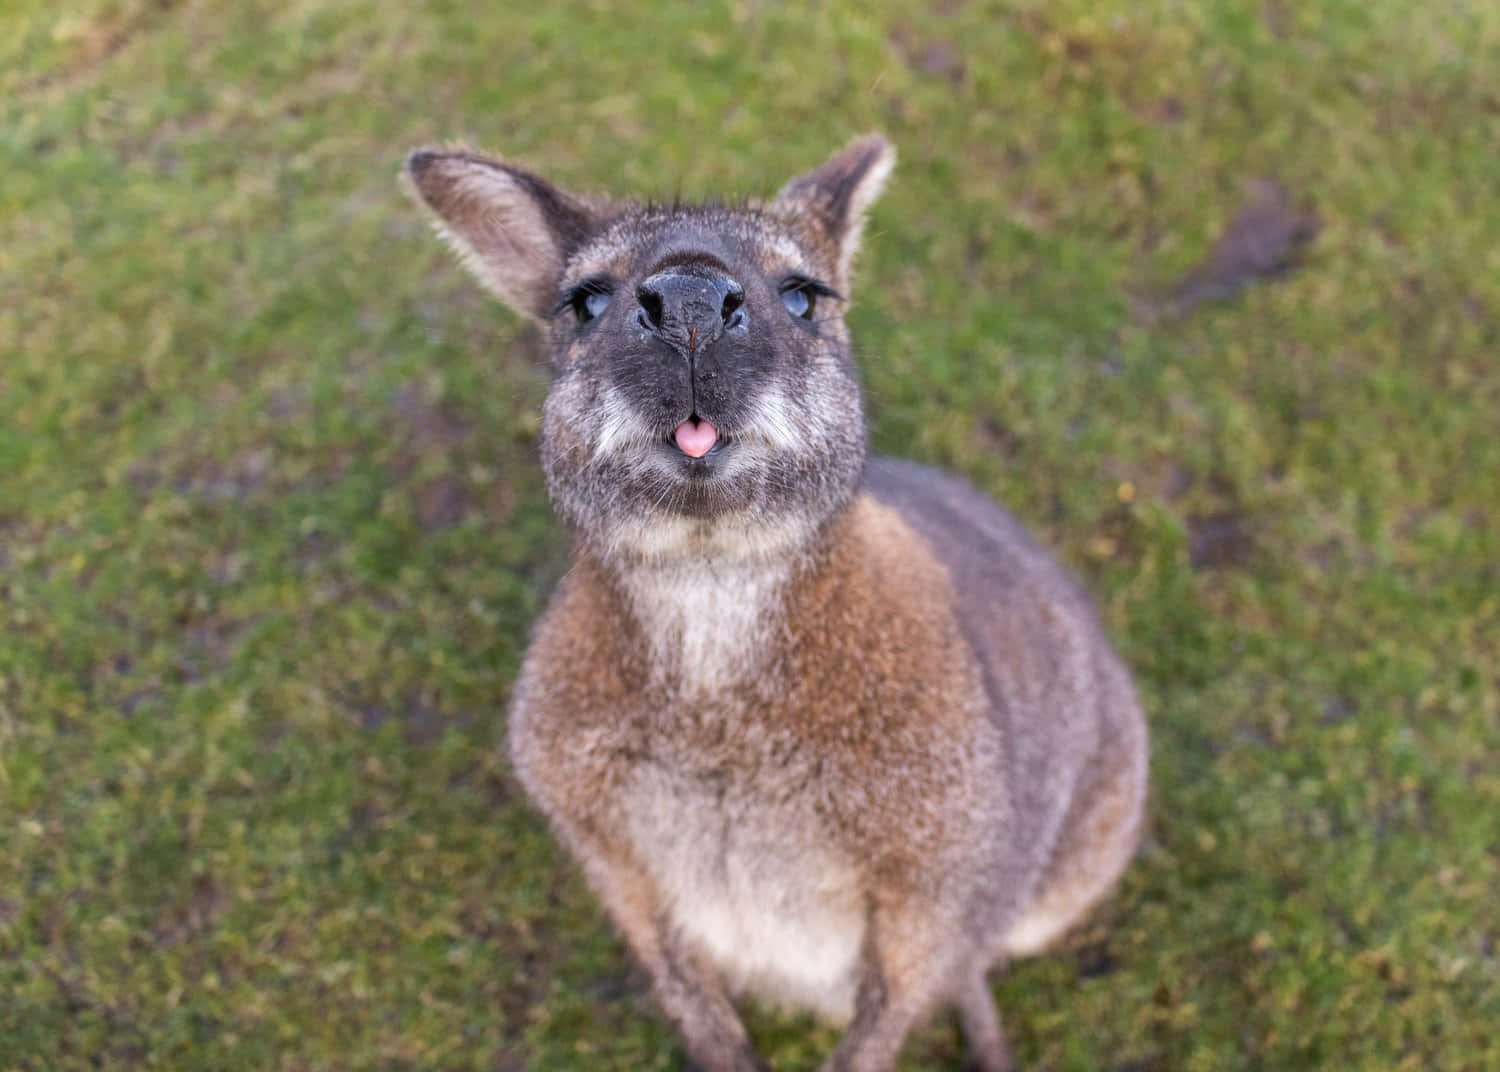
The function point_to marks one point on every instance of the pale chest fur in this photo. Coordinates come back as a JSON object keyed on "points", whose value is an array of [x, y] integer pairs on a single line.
{"points": [[758, 886], [753, 882], [709, 624]]}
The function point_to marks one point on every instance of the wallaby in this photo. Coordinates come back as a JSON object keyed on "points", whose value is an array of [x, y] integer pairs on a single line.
{"points": [[822, 729]]}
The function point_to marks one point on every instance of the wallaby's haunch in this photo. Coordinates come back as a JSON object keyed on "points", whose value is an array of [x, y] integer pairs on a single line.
{"points": [[820, 728]]}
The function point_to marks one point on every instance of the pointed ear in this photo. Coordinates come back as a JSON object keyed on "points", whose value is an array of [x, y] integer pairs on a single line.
{"points": [[839, 193], [513, 230]]}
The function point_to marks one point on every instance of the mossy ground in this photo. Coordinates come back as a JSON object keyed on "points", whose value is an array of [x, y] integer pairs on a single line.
{"points": [[272, 531]]}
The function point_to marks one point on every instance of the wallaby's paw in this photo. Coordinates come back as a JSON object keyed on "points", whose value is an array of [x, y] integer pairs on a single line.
{"points": [[1003, 1062]]}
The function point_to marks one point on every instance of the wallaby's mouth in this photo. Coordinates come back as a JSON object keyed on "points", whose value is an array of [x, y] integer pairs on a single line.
{"points": [[695, 437]]}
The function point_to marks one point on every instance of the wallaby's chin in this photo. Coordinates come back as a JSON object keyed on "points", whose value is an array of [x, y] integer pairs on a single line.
{"points": [[739, 501], [751, 494], [760, 477]]}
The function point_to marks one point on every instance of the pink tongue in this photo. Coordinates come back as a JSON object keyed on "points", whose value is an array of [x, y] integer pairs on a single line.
{"points": [[696, 438]]}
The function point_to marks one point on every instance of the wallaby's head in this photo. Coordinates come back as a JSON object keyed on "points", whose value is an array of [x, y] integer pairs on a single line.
{"points": [[704, 396]]}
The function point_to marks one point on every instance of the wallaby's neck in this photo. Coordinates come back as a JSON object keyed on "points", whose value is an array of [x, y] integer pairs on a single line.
{"points": [[711, 610]]}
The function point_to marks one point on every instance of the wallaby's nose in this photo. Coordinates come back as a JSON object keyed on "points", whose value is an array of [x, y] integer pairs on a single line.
{"points": [[691, 306]]}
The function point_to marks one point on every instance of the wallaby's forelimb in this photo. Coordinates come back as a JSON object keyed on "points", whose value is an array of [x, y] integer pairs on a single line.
{"points": [[983, 1036], [694, 997]]}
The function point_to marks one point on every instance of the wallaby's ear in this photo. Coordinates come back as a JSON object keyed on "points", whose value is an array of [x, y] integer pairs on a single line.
{"points": [[839, 193], [513, 230]]}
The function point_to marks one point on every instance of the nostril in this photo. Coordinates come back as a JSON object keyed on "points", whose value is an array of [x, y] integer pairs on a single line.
{"points": [[651, 303], [734, 297]]}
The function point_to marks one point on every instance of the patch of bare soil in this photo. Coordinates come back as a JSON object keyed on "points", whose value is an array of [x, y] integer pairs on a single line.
{"points": [[1266, 238]]}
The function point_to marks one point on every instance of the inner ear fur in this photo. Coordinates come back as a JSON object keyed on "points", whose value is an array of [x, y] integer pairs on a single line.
{"points": [[839, 193], [513, 230]]}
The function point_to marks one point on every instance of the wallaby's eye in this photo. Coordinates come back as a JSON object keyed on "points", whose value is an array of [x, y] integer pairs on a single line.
{"points": [[800, 295], [588, 300], [798, 301], [594, 305]]}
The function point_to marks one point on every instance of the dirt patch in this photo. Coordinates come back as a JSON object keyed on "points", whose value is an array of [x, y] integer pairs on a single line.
{"points": [[937, 57], [208, 646], [1094, 959], [435, 452], [995, 439], [1278, 19], [90, 43], [422, 723], [199, 911], [238, 478], [536, 958], [442, 502], [426, 423], [1336, 710], [1219, 541], [1166, 110], [1265, 238]]}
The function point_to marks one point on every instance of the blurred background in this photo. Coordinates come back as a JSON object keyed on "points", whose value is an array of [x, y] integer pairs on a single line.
{"points": [[1205, 292]]}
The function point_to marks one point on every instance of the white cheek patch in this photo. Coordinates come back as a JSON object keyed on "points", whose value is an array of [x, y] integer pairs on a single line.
{"points": [[776, 419], [621, 429]]}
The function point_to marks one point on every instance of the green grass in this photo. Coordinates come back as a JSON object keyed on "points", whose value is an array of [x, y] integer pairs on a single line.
{"points": [[272, 530]]}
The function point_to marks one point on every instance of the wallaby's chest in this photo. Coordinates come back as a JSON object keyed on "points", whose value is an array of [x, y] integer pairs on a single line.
{"points": [[754, 878], [761, 742], [707, 626]]}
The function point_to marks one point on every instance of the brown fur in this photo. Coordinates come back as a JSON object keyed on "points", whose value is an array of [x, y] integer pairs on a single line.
{"points": [[834, 734]]}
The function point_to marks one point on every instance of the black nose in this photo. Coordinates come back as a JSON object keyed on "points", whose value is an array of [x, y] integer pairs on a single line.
{"points": [[691, 306]]}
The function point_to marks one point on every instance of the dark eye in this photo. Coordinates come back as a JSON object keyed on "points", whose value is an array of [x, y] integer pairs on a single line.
{"points": [[588, 300], [798, 297]]}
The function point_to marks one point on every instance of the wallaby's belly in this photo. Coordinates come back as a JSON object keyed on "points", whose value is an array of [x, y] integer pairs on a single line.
{"points": [[757, 889]]}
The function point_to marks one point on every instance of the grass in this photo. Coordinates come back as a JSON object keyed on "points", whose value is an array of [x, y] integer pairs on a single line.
{"points": [[272, 531]]}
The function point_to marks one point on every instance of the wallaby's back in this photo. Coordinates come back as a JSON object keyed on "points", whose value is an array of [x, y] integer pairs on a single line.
{"points": [[1077, 749]]}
